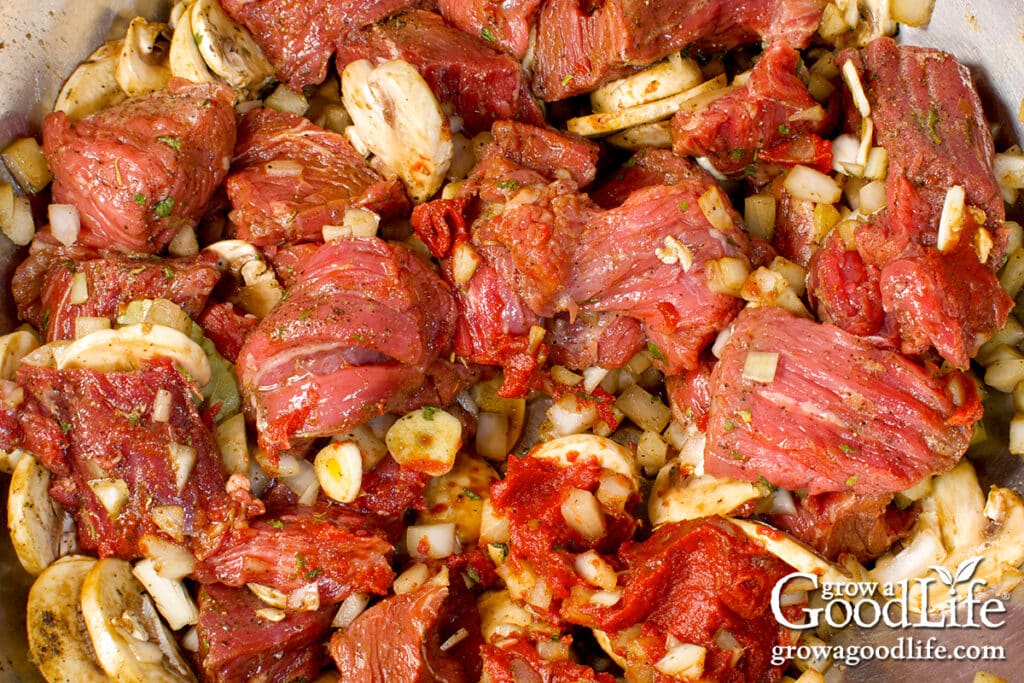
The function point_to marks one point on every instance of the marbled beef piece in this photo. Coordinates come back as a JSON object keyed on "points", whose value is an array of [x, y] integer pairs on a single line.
{"points": [[290, 177], [895, 282], [361, 325], [400, 638], [605, 339], [506, 25], [42, 284], [299, 37], [841, 523], [238, 642], [227, 327], [98, 425], [647, 167], [481, 84], [839, 414], [142, 170], [689, 393], [582, 44], [772, 115], [553, 154], [292, 546]]}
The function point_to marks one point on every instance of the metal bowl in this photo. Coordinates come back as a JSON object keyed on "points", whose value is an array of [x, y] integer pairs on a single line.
{"points": [[41, 41]]}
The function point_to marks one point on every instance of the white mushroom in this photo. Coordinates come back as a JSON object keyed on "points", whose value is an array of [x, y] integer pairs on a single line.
{"points": [[186, 61], [131, 643], [126, 348], [610, 455], [668, 77], [397, 118], [57, 637], [170, 595], [957, 525], [228, 48], [142, 63], [35, 520], [93, 84], [14, 347], [679, 495], [792, 552], [261, 290]]}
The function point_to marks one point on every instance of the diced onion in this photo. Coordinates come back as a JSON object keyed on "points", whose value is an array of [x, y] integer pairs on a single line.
{"points": [[553, 650], [915, 559], [877, 164], [350, 608], [454, 639], [683, 661], [852, 78], [185, 243], [16, 220], [595, 570], [305, 598], [867, 136], [79, 292], [582, 512], [951, 222], [431, 541], [911, 13], [183, 459], [170, 560], [269, 595], [540, 595], [1016, 444], [643, 408], [304, 484], [465, 261], [713, 206], [234, 449], [592, 377], [284, 99], [614, 490], [872, 197], [759, 215], [651, 451], [411, 579], [85, 325], [65, 223], [492, 435], [793, 598], [844, 154], [782, 503], [493, 528], [190, 641], [112, 494], [170, 519], [606, 598], [339, 469], [569, 416], [161, 411], [26, 162], [271, 614], [812, 185], [760, 366], [726, 275], [284, 168]]}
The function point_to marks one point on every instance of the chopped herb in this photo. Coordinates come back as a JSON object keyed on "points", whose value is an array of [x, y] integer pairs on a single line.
{"points": [[171, 141], [735, 455], [847, 449], [164, 207], [765, 483], [168, 273], [851, 481], [313, 573], [688, 413], [729, 426], [472, 574], [512, 185], [359, 339], [65, 427], [501, 549], [566, 79], [783, 129], [738, 153], [655, 352], [631, 162], [198, 38], [487, 34], [133, 417], [750, 170], [140, 199], [305, 314], [745, 415], [471, 494], [300, 561], [684, 205], [429, 412], [276, 523]]}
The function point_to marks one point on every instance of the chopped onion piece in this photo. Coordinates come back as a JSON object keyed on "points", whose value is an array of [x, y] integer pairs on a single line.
{"points": [[877, 165], [592, 377], [643, 408], [304, 484], [867, 136], [606, 598], [812, 185], [305, 598], [170, 519], [431, 541], [492, 435], [683, 661], [872, 197], [952, 220], [112, 494], [454, 640], [782, 503], [595, 570], [411, 579], [911, 13], [493, 528], [465, 261], [161, 406], [79, 292], [844, 153], [284, 99], [852, 78], [726, 275], [582, 512], [269, 595], [760, 366], [170, 560], [170, 596], [190, 641], [185, 243], [713, 206], [234, 449], [271, 614], [65, 223], [759, 215], [183, 459], [569, 416], [350, 608], [16, 220]]}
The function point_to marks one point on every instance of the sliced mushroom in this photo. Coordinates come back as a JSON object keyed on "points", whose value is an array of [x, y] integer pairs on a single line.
{"points": [[261, 290], [131, 643], [14, 347], [663, 79], [679, 494], [792, 552], [57, 637], [93, 84], [956, 526], [228, 48], [610, 455], [142, 64], [128, 347], [35, 520], [186, 61], [396, 117]]}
